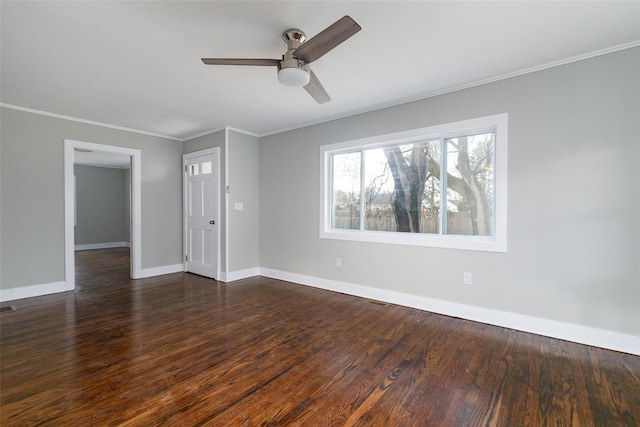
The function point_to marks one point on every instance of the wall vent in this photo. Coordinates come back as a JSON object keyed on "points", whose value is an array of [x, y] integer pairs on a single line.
{"points": [[380, 303]]}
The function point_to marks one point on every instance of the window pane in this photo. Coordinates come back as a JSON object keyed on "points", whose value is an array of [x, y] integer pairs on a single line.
{"points": [[470, 181], [379, 192], [206, 168], [430, 206], [346, 191], [403, 188]]}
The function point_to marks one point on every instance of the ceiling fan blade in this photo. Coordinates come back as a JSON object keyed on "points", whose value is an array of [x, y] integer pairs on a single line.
{"points": [[241, 61], [327, 39], [316, 90]]}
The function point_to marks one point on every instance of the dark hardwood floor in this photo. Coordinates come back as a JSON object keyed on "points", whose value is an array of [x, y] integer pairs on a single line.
{"points": [[182, 350]]}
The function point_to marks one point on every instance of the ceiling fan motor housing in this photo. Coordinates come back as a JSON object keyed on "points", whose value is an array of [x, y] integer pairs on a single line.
{"points": [[293, 71]]}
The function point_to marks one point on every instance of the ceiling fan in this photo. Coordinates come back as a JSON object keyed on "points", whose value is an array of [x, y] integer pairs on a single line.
{"points": [[293, 68]]}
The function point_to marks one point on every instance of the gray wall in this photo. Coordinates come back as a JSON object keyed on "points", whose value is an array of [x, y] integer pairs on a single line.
{"points": [[240, 155], [244, 175], [32, 187], [573, 199], [102, 205]]}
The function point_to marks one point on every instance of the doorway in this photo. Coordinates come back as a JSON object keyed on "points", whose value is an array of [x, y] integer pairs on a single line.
{"points": [[72, 147]]}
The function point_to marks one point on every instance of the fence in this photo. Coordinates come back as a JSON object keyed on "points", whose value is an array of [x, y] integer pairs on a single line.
{"points": [[457, 222]]}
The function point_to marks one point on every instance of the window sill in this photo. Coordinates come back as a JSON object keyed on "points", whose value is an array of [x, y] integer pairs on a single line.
{"points": [[472, 243]]}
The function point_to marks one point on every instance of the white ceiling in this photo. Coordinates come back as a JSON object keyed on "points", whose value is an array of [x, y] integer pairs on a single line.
{"points": [[137, 64]]}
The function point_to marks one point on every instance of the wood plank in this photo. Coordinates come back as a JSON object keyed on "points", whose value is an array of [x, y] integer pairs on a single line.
{"points": [[185, 350]]}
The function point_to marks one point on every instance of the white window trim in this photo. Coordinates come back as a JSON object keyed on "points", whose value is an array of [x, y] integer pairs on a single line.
{"points": [[495, 243]]}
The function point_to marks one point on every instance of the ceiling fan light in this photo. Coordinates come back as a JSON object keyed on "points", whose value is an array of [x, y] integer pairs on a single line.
{"points": [[293, 77]]}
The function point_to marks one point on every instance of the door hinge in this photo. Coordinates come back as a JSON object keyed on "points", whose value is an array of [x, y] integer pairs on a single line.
{"points": [[185, 168], [186, 257]]}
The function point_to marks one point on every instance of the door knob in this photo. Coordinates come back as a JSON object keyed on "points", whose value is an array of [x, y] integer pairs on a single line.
{"points": [[212, 222]]}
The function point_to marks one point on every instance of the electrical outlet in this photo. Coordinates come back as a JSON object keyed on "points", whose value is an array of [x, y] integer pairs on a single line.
{"points": [[467, 279], [238, 206], [339, 262]]}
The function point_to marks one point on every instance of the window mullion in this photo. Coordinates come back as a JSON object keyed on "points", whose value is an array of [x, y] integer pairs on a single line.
{"points": [[362, 190], [331, 192], [443, 187]]}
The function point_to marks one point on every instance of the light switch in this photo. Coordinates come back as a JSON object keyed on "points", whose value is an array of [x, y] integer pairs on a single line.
{"points": [[238, 206]]}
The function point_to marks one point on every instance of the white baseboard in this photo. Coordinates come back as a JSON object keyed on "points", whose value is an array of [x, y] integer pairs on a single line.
{"points": [[54, 288], [159, 271], [108, 245], [239, 275], [32, 291], [550, 328]]}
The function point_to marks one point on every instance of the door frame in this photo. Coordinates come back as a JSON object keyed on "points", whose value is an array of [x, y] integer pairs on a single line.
{"points": [[216, 171], [69, 206]]}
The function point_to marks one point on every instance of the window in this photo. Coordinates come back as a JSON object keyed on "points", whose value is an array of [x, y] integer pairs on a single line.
{"points": [[206, 168], [442, 186], [195, 170]]}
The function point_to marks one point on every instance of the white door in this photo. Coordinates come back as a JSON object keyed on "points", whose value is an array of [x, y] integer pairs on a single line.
{"points": [[201, 200]]}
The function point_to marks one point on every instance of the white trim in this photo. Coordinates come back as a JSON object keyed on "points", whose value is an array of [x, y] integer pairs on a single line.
{"points": [[185, 157], [108, 245], [32, 291], [535, 325], [420, 97], [88, 122], [239, 275], [207, 132], [159, 271], [69, 205], [226, 188], [236, 130], [495, 243]]}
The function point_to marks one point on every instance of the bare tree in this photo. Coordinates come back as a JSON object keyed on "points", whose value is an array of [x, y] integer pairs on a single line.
{"points": [[409, 175], [473, 191], [412, 165], [375, 195]]}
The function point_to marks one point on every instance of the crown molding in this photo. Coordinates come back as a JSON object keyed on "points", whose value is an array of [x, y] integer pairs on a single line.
{"points": [[88, 122]]}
